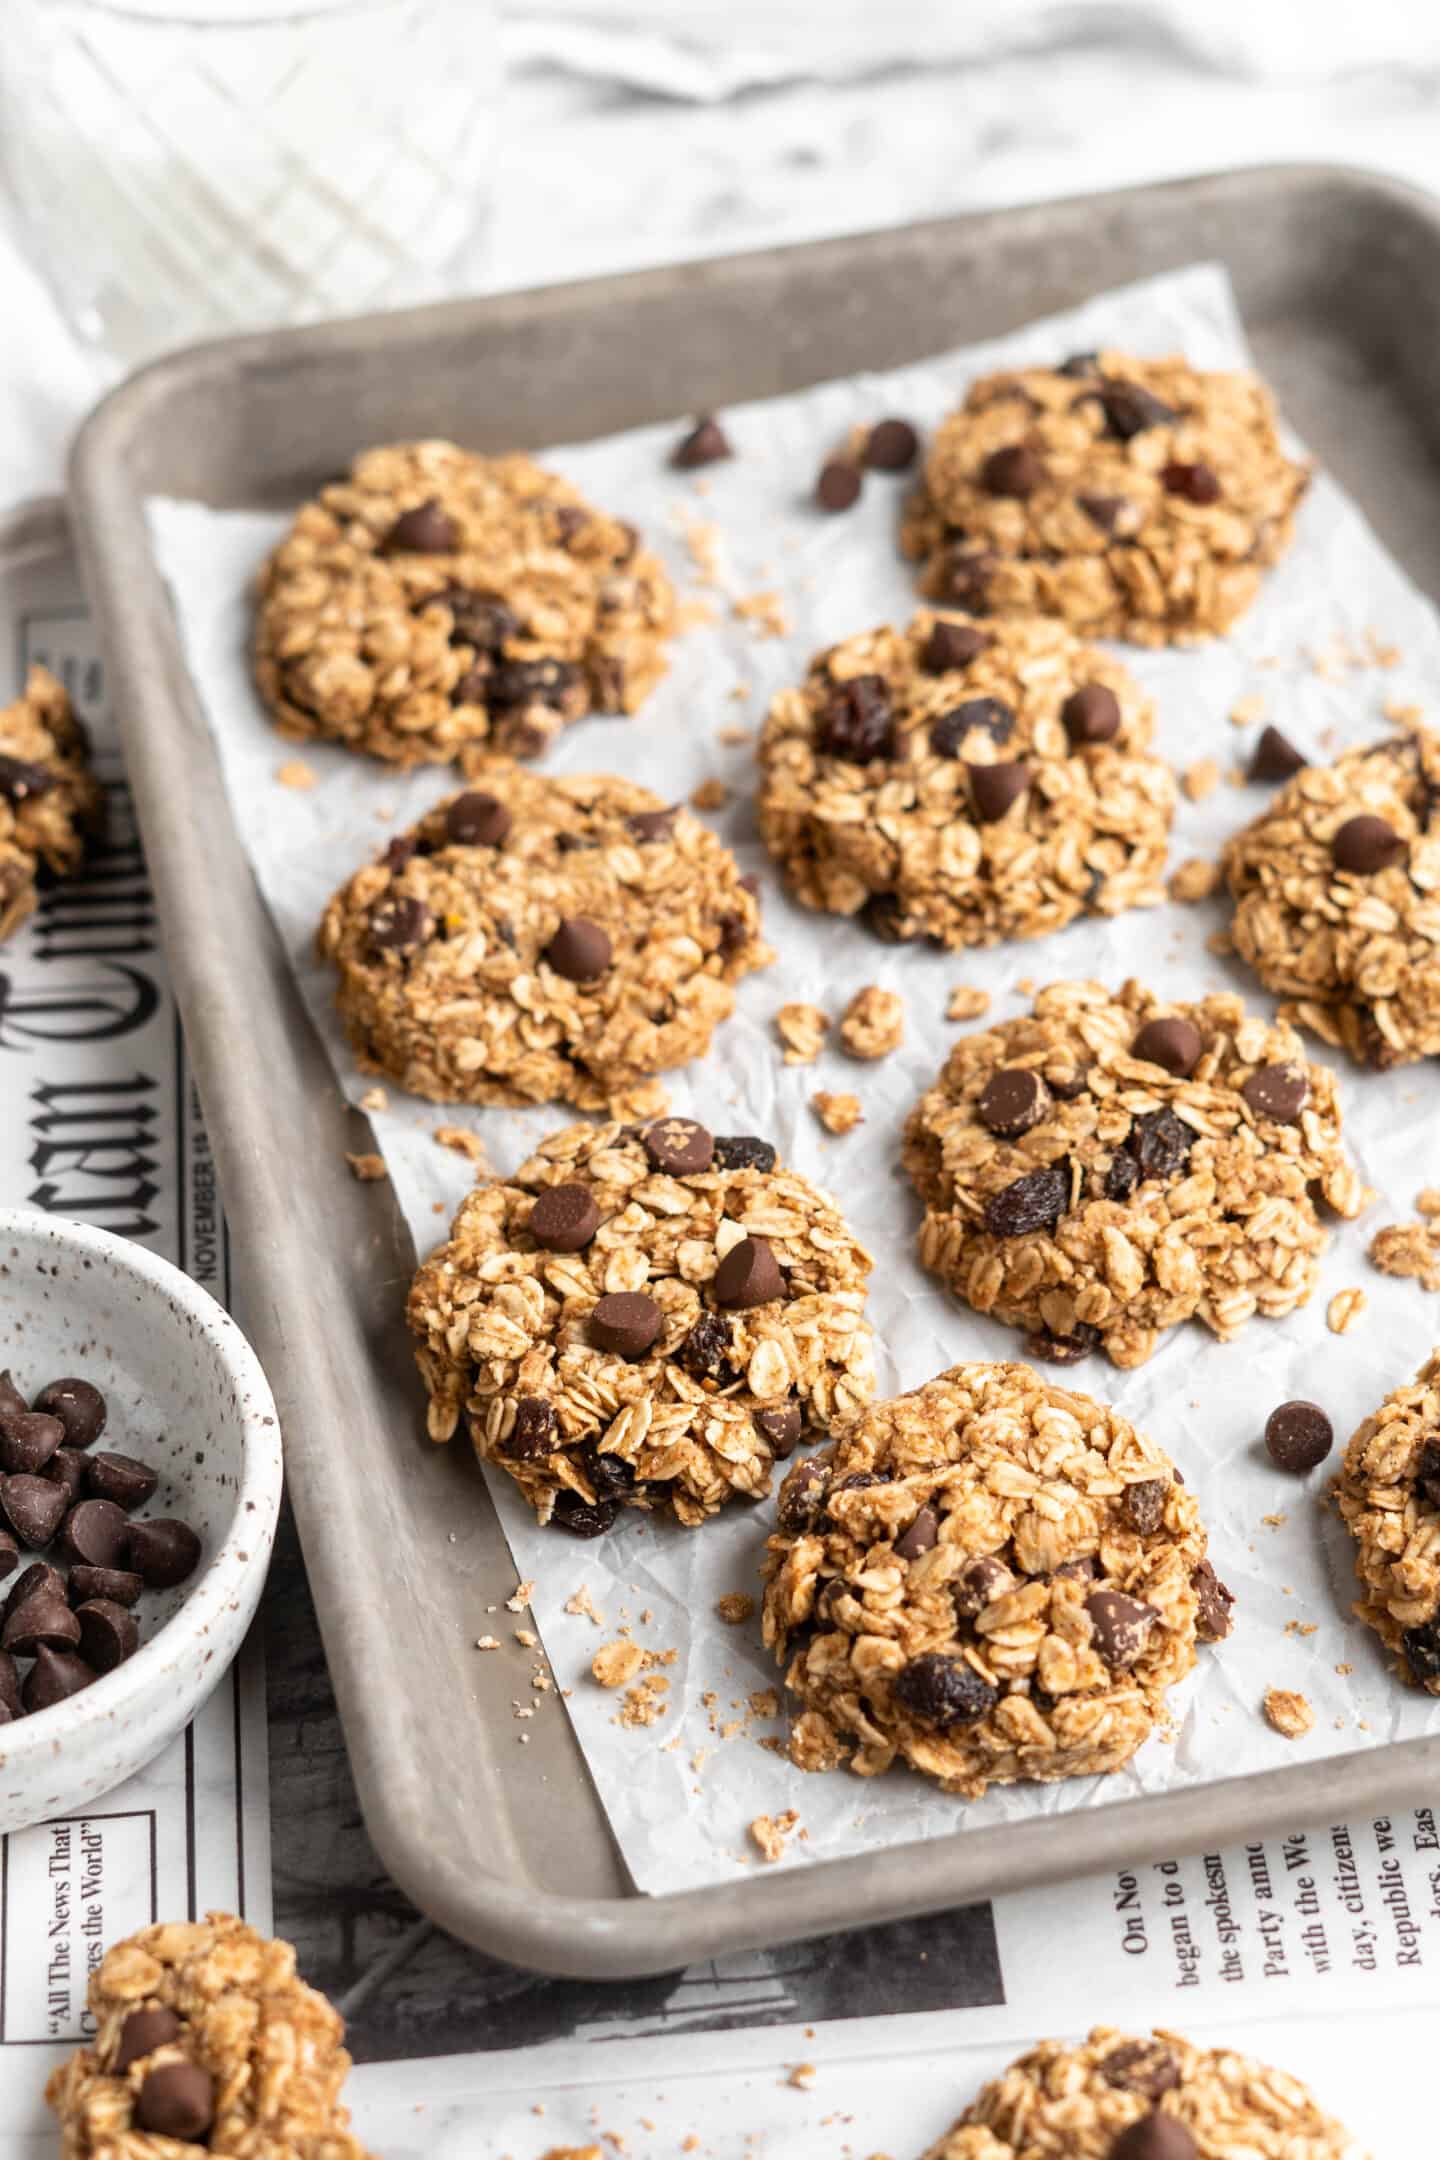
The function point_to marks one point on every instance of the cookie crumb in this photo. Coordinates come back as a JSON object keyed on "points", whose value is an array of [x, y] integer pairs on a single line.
{"points": [[1408, 1249], [1344, 1310], [769, 1832], [487, 1642], [647, 1099], [520, 1597], [802, 1029], [1288, 1713], [967, 1003], [615, 1664], [526, 1637], [461, 1142], [1247, 710], [583, 1606], [374, 1098], [644, 1703], [733, 737], [369, 1169], [873, 1023], [766, 611], [1200, 779], [1195, 879], [711, 794], [295, 773], [735, 1607], [837, 1113], [1427, 1202], [802, 2075]]}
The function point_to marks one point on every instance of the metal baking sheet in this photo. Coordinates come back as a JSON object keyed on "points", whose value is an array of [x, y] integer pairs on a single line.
{"points": [[1338, 276]]}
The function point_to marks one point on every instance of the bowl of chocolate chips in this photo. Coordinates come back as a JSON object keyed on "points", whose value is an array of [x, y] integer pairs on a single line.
{"points": [[140, 1476]]}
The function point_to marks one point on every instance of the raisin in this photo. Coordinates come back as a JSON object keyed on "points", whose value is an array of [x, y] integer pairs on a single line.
{"points": [[944, 1691], [1160, 1143], [883, 919], [584, 1518], [1034, 1202], [742, 1151], [857, 722], [704, 1354], [480, 619], [1064, 1349], [610, 1475], [1422, 1651], [1123, 1176], [1427, 1472], [532, 682]]}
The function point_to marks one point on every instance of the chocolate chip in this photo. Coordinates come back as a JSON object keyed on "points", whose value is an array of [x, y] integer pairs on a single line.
{"points": [[1160, 1143], [1129, 409], [921, 1536], [28, 1439], [626, 1323], [399, 851], [705, 444], [10, 1685], [742, 1151], [1144, 1504], [564, 1219], [648, 825], [952, 645], [1298, 1435], [478, 619], [177, 2100], [399, 923], [1155, 2137], [980, 1583], [1033, 1202], [477, 820], [679, 1146], [1366, 844], [780, 1428], [1013, 471], [95, 1533], [1011, 1101], [21, 782], [41, 1619], [55, 1675], [1427, 1472], [884, 918], [1421, 1646], [108, 1634], [142, 2032], [994, 788], [66, 1468], [944, 1691], [749, 1275], [705, 1352], [534, 1433], [425, 530], [163, 1552], [857, 722], [803, 1496], [580, 950], [1213, 1603], [838, 486], [967, 578], [119, 1478], [1102, 510], [33, 1508], [891, 446], [1142, 2066], [1121, 1626], [1172, 1043], [12, 1402], [1082, 1569], [1198, 484], [79, 1407], [1275, 758], [992, 715], [38, 1577], [1091, 714], [584, 1518], [471, 687], [1079, 363], [532, 682], [1082, 1342], [1277, 1091], [116, 1584]]}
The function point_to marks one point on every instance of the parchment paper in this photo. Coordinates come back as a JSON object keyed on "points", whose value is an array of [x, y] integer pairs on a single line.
{"points": [[680, 1794]]}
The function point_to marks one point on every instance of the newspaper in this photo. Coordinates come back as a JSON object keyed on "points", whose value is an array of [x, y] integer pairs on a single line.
{"points": [[102, 1124]]}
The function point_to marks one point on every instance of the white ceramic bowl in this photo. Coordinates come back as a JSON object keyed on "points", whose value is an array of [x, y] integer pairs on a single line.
{"points": [[185, 1394]]}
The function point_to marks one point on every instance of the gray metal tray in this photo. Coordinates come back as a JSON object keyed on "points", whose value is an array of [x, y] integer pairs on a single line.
{"points": [[1338, 275]]}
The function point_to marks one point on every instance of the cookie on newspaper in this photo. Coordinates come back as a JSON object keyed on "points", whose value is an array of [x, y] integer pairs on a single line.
{"points": [[1337, 899], [50, 800], [991, 1578], [205, 2041], [646, 1316], [538, 940], [1118, 2096], [966, 782], [436, 600], [1389, 1494], [1139, 499], [1116, 1163]]}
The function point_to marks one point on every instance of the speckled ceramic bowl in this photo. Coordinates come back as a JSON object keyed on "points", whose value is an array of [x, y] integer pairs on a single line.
{"points": [[185, 1394]]}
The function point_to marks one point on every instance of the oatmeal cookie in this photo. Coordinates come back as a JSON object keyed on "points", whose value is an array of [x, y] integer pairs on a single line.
{"points": [[1139, 499], [966, 782], [1122, 2097], [538, 940], [1389, 1495], [50, 801], [1114, 1164], [646, 1316], [990, 1577], [436, 600], [205, 2041], [1337, 899]]}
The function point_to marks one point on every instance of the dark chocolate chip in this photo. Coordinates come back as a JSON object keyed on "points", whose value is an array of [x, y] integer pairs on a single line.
{"points": [[1121, 1627], [1155, 2137], [94, 1532], [21, 781], [28, 1439], [475, 819], [400, 923], [742, 1151], [649, 825], [38, 1577], [108, 1634], [780, 1428], [1142, 2066], [584, 1518], [1082, 1342], [1198, 484], [994, 788], [1144, 1504], [1298, 1435], [838, 487], [626, 1323], [1014, 471], [142, 2032], [41, 1619], [479, 619], [564, 1218], [1083, 1569], [79, 1407], [1175, 1045], [857, 722], [891, 446], [1079, 363], [884, 919], [9, 1684], [119, 1478], [952, 645], [55, 1675], [1091, 714], [164, 1552], [177, 2100], [920, 1537], [399, 851], [944, 1691], [967, 577], [1366, 844], [992, 715], [1129, 409], [1421, 1646], [1275, 758], [1102, 510], [749, 1275], [425, 530], [1427, 1472], [534, 1433], [1033, 1202], [803, 1496], [705, 1352], [33, 1508], [1277, 1091], [679, 1146], [580, 950], [12, 1402], [980, 1583], [66, 1468], [705, 444], [1011, 1101], [1065, 1086], [532, 682], [116, 1584], [1160, 1143]]}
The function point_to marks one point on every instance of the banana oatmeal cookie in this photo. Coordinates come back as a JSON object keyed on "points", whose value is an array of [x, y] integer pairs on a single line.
{"points": [[1389, 1494], [205, 2041], [1122, 2097], [647, 1316], [538, 940], [966, 782], [1337, 899], [436, 600], [990, 1577], [50, 801], [1138, 499], [1114, 1164]]}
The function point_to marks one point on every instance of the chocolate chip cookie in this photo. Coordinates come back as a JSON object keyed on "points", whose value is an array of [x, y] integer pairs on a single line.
{"points": [[536, 940], [50, 801], [1118, 2096], [1139, 499], [435, 600], [646, 1316], [1389, 1494], [966, 782], [1116, 1163], [991, 1578], [204, 2040], [1337, 899]]}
